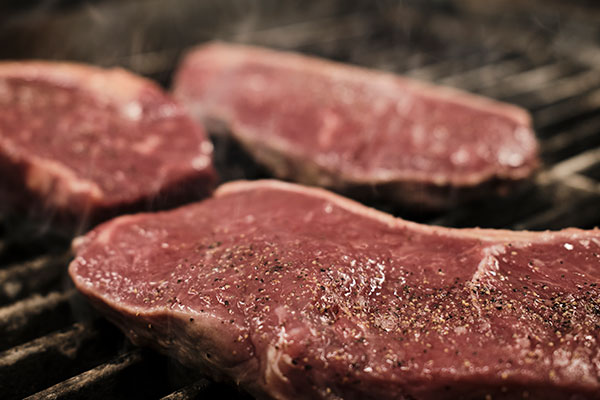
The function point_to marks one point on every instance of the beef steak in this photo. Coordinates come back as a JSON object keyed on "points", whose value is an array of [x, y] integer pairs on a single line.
{"points": [[351, 129], [295, 292], [85, 143]]}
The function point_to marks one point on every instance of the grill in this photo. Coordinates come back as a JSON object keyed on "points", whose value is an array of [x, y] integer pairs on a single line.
{"points": [[540, 57]]}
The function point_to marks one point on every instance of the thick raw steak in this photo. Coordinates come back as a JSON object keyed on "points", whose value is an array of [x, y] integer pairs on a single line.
{"points": [[296, 293], [80, 142], [351, 129]]}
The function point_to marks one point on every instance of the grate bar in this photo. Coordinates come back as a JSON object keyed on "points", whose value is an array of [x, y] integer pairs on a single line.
{"points": [[23, 279], [584, 53], [565, 169], [33, 316], [48, 358], [584, 183], [306, 33], [584, 134], [54, 341], [206, 389], [293, 35], [567, 110], [528, 81], [92, 379], [192, 391], [486, 75], [438, 70], [560, 89], [388, 58], [395, 64]]}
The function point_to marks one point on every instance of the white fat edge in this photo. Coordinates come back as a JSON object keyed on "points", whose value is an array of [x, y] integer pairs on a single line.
{"points": [[105, 233], [487, 267], [274, 355]]}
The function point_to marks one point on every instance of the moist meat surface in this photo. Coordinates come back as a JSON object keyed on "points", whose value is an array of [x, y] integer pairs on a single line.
{"points": [[80, 138], [338, 126], [298, 293]]}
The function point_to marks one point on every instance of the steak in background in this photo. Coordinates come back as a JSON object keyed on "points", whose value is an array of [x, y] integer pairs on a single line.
{"points": [[357, 130], [79, 144], [297, 293]]}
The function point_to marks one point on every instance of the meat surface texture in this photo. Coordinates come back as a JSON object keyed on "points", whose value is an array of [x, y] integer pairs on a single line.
{"points": [[82, 143], [298, 293], [358, 130]]}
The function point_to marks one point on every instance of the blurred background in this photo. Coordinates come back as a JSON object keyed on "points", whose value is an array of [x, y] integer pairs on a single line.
{"points": [[543, 55]]}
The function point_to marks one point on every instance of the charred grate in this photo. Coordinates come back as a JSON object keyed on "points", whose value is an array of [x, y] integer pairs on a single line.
{"points": [[54, 346]]}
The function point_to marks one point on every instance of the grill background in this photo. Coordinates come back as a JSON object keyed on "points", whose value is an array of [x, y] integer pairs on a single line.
{"points": [[544, 58]]}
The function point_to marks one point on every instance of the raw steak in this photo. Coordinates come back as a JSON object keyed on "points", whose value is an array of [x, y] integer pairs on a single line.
{"points": [[297, 293], [357, 130], [85, 143]]}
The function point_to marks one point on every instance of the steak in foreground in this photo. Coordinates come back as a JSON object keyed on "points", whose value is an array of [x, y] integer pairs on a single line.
{"points": [[297, 293], [80, 144], [358, 130]]}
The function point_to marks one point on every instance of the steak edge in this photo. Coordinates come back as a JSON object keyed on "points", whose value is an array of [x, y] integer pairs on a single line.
{"points": [[295, 292], [80, 144], [358, 130]]}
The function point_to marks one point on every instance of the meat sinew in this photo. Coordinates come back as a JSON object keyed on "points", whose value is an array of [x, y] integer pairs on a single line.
{"points": [[351, 129], [80, 142], [295, 292]]}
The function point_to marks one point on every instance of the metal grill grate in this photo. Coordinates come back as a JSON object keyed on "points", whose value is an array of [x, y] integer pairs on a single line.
{"points": [[54, 346]]}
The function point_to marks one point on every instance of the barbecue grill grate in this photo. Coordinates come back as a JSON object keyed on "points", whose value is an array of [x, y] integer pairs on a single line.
{"points": [[54, 346]]}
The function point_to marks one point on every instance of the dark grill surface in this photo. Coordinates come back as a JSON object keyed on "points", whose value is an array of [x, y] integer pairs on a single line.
{"points": [[542, 57]]}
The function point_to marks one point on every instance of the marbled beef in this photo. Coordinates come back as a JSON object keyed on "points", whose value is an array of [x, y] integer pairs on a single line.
{"points": [[82, 143], [297, 293], [357, 130]]}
